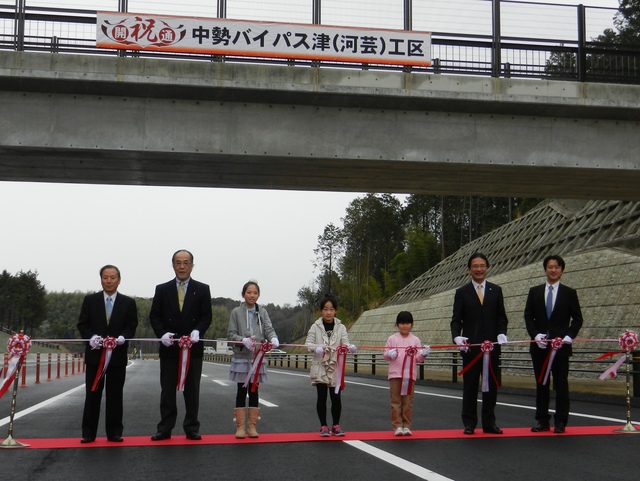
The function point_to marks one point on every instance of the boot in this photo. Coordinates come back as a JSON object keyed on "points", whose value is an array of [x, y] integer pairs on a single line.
{"points": [[239, 419], [254, 416]]}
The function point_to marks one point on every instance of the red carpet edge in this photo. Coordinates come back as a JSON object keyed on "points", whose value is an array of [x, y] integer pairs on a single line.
{"points": [[213, 439]]}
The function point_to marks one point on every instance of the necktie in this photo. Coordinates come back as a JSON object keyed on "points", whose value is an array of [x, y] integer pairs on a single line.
{"points": [[549, 302], [480, 296], [181, 294], [109, 306]]}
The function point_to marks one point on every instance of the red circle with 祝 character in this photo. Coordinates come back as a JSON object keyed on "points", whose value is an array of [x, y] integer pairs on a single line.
{"points": [[411, 350], [486, 346], [629, 341]]}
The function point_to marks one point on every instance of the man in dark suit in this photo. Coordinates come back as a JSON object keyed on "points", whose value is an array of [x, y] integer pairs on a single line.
{"points": [[106, 314], [479, 315], [552, 311], [180, 307]]}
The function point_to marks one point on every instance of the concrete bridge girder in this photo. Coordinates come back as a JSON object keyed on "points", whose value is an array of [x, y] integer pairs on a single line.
{"points": [[162, 122]]}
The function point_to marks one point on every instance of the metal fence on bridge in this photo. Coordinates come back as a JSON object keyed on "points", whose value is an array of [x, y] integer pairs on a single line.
{"points": [[499, 38]]}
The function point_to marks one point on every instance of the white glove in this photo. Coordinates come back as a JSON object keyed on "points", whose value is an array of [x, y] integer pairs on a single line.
{"points": [[274, 342], [541, 341], [461, 341], [320, 350], [502, 339], [426, 350], [120, 340], [567, 340], [167, 339], [392, 354], [249, 343], [352, 348], [95, 342], [195, 336]]}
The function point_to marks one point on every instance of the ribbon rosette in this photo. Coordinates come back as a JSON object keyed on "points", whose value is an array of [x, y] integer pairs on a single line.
{"points": [[258, 358], [342, 350], [109, 344], [628, 342], [556, 343], [487, 368], [184, 343], [407, 369], [486, 347], [18, 346]]}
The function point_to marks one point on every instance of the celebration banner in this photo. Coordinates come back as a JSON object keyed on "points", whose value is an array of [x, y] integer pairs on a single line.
{"points": [[219, 36]]}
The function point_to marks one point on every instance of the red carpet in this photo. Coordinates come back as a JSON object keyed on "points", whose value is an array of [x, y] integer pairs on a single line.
{"points": [[209, 439]]}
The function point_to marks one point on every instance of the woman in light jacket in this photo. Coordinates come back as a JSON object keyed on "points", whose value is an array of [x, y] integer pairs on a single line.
{"points": [[324, 336], [249, 324]]}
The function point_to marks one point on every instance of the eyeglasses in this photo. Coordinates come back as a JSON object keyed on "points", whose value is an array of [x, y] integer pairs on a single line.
{"points": [[180, 263]]}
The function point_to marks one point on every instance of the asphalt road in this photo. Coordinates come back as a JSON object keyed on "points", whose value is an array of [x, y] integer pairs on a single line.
{"points": [[53, 410]]}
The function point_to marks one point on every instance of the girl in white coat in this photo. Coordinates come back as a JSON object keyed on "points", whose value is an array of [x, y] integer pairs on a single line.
{"points": [[323, 338]]}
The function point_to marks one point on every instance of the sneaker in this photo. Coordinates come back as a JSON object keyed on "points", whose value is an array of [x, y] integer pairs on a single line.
{"points": [[336, 431], [407, 432], [399, 432], [324, 431]]}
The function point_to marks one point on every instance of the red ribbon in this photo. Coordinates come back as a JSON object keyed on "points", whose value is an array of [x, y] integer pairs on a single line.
{"points": [[109, 344], [555, 344], [265, 347], [487, 367], [18, 346], [407, 370], [184, 343], [628, 342], [342, 350]]}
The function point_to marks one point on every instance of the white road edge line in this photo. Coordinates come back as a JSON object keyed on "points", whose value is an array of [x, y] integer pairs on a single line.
{"points": [[20, 414], [400, 463]]}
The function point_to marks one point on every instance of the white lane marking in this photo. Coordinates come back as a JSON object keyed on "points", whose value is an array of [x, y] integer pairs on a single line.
{"points": [[449, 396], [400, 463], [267, 403], [18, 415], [222, 383]]}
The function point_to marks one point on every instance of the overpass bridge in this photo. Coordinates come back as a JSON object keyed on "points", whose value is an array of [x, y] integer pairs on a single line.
{"points": [[137, 121]]}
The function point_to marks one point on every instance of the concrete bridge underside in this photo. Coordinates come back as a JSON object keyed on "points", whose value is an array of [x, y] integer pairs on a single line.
{"points": [[92, 119]]}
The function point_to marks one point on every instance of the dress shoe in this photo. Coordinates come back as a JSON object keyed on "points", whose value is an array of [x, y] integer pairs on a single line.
{"points": [[87, 440], [540, 427], [115, 439], [468, 430], [194, 436], [160, 436], [492, 430], [559, 428]]}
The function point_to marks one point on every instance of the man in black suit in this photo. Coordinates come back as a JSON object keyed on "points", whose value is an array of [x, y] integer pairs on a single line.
{"points": [[180, 307], [106, 314], [479, 315], [552, 311]]}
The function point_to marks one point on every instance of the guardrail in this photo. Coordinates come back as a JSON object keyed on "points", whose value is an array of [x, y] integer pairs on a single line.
{"points": [[579, 58], [512, 362]]}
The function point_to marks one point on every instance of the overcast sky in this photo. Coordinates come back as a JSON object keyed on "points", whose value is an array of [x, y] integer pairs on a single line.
{"points": [[67, 232]]}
